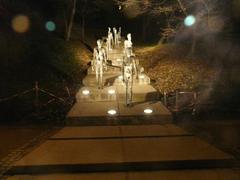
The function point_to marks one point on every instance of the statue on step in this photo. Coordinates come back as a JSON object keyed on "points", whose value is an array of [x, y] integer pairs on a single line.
{"points": [[109, 40], [128, 44], [116, 40], [119, 34], [99, 63], [130, 60], [128, 76]]}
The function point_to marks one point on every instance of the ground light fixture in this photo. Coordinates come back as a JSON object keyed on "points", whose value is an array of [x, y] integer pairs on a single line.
{"points": [[111, 91], [112, 112], [86, 92], [148, 111], [141, 76], [120, 77]]}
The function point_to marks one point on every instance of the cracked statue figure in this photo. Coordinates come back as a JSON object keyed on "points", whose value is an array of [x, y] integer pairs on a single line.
{"points": [[128, 76], [110, 40], [128, 44], [116, 37], [99, 63]]}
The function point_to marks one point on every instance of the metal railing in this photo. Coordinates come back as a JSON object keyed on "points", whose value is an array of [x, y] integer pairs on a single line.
{"points": [[174, 102], [37, 90]]}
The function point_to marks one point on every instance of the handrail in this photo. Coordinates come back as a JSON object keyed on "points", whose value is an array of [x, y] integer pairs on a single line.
{"points": [[16, 95], [36, 89], [176, 104]]}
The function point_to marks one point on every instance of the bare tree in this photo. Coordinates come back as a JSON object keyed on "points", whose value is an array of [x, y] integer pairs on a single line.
{"points": [[174, 11], [69, 18]]}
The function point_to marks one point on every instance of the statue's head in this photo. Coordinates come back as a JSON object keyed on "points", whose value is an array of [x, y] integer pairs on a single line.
{"points": [[99, 43], [129, 36]]}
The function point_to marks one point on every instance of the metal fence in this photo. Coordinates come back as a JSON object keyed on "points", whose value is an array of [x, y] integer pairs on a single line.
{"points": [[179, 101]]}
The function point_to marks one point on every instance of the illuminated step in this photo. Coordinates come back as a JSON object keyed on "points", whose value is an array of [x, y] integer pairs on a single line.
{"points": [[92, 94]]}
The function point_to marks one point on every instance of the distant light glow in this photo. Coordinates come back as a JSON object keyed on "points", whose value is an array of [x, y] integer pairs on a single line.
{"points": [[111, 91], [190, 20], [20, 23], [141, 76], [148, 111], [120, 77], [112, 112], [118, 60], [50, 26], [86, 92]]}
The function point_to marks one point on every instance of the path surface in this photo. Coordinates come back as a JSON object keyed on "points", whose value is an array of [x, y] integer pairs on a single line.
{"points": [[128, 146]]}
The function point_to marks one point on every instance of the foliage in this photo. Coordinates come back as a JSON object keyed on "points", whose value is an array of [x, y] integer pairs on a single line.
{"points": [[169, 67]]}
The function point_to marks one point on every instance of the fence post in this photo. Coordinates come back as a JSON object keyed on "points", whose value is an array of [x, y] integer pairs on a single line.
{"points": [[177, 99], [195, 102], [165, 98], [37, 96], [68, 91]]}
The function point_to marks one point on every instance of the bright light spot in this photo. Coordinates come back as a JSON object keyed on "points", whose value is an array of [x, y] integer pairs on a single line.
{"points": [[120, 7], [189, 20], [148, 111], [20, 23], [111, 91], [112, 112], [50, 26], [141, 76], [86, 92], [120, 77], [118, 60]]}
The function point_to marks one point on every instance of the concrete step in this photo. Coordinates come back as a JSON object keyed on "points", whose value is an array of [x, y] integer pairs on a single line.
{"points": [[92, 94], [96, 113], [122, 148], [108, 79], [204, 174], [110, 70]]}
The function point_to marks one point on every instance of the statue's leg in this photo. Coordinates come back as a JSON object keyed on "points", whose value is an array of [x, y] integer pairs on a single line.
{"points": [[126, 93], [101, 76], [97, 77]]}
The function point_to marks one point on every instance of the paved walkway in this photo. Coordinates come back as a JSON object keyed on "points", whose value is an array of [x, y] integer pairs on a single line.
{"points": [[128, 146]]}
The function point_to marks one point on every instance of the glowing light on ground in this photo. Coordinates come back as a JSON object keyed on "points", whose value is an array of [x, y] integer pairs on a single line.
{"points": [[148, 111], [20, 23], [111, 91], [112, 112], [141, 76], [50, 26], [85, 92], [190, 20]]}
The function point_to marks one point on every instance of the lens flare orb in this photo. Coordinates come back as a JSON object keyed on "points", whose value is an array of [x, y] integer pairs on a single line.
{"points": [[50, 26], [190, 20], [20, 23]]}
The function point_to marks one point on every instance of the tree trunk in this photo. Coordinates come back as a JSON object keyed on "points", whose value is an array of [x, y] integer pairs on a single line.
{"points": [[83, 27], [71, 20], [144, 27], [194, 42]]}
